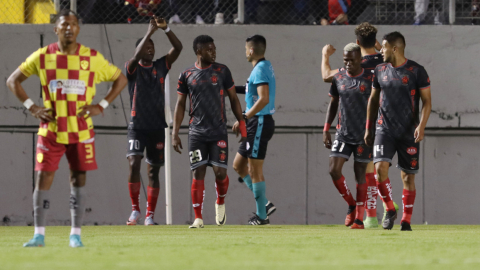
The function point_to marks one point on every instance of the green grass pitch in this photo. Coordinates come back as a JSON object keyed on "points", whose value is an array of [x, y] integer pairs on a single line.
{"points": [[245, 247]]}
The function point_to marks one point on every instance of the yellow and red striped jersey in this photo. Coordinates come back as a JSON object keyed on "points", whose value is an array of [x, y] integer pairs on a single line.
{"points": [[68, 83]]}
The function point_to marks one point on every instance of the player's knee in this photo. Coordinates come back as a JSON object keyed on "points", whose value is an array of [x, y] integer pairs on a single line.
{"points": [[239, 168], [78, 178], [153, 173], [135, 163], [335, 173], [382, 172], [221, 174]]}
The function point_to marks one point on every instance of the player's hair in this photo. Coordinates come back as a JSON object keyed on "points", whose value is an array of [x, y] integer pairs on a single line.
{"points": [[395, 38], [351, 47], [366, 35], [259, 44], [201, 40], [140, 40], [65, 13]]}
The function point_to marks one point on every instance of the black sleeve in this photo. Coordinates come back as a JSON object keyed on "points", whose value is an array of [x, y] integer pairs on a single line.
{"points": [[423, 81], [228, 82], [130, 75], [333, 88], [375, 83], [182, 87], [240, 89], [161, 64]]}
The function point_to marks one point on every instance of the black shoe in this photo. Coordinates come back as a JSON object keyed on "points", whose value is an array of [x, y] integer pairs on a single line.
{"points": [[255, 220], [270, 208], [240, 179], [389, 219], [405, 226]]}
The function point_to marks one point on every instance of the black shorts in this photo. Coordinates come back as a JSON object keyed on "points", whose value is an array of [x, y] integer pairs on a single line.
{"points": [[361, 152], [210, 152], [153, 141], [260, 130], [408, 152]]}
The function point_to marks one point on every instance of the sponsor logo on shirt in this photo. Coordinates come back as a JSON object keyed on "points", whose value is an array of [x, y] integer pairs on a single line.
{"points": [[68, 86], [385, 78]]}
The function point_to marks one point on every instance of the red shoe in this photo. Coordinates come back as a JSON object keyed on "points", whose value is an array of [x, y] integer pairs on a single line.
{"points": [[357, 224], [350, 216]]}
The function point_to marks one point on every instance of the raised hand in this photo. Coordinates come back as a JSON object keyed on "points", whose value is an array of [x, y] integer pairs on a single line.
{"points": [[161, 22], [328, 50], [152, 27]]}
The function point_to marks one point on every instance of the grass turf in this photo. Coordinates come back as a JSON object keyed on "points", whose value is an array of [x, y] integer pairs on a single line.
{"points": [[245, 247]]}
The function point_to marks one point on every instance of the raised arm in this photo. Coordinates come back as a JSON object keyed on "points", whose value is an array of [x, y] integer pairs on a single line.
{"points": [[426, 97], [176, 43], [14, 83], [133, 62], [327, 72]]}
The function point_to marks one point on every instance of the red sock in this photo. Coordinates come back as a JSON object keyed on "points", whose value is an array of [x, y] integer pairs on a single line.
{"points": [[408, 199], [342, 187], [152, 196], [361, 198], [385, 189], [198, 194], [222, 187], [134, 189], [372, 192]]}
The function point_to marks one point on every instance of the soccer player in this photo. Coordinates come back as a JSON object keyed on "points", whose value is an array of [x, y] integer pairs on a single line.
{"points": [[206, 83], [351, 88], [260, 98], [367, 40], [66, 125], [398, 86], [146, 130]]}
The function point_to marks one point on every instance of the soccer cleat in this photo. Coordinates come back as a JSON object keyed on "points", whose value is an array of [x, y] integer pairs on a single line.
{"points": [[357, 224], [371, 222], [197, 224], [134, 217], [75, 241], [350, 216], [270, 208], [256, 220], [240, 179], [219, 19], [149, 221], [405, 226], [221, 216], [385, 210], [389, 220], [199, 20], [38, 240]]}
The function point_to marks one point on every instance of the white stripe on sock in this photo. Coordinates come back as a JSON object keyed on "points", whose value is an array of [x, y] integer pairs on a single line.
{"points": [[77, 231], [40, 230]]}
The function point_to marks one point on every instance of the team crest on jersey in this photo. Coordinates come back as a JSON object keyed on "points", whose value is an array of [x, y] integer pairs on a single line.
{"points": [[84, 64], [412, 92], [412, 150], [162, 80], [385, 78], [360, 150], [342, 88], [363, 88], [413, 163], [194, 82], [154, 72], [223, 156], [214, 79], [405, 79], [159, 146], [222, 144]]}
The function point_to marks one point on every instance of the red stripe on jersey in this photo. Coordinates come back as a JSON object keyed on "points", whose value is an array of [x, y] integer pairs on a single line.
{"points": [[82, 124], [42, 61], [51, 75], [133, 100], [222, 101], [61, 95], [52, 48], [62, 62], [73, 136], [92, 133], [77, 52], [46, 94], [93, 52], [91, 77], [62, 125], [83, 97], [73, 74], [71, 108]]}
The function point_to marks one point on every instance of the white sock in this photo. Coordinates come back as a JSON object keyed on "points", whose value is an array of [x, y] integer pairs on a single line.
{"points": [[77, 231], [40, 230]]}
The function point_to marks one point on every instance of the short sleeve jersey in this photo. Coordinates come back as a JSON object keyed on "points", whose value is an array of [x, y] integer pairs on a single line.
{"points": [[146, 86], [68, 83], [262, 74], [353, 93], [206, 89], [400, 88]]}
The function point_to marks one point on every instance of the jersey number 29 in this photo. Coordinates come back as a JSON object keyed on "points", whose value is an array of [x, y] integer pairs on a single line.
{"points": [[195, 156]]}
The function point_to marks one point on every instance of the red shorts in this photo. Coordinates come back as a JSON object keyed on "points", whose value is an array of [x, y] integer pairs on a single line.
{"points": [[80, 156]]}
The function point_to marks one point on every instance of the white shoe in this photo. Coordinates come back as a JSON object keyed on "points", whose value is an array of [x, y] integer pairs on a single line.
{"points": [[149, 221], [199, 20], [221, 217], [197, 224], [134, 216], [219, 19], [174, 19]]}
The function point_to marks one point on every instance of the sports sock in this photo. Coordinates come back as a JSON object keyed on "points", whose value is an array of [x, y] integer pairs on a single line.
{"points": [[385, 190], [342, 187], [134, 189], [198, 194], [78, 199], [77, 231], [408, 198], [260, 198], [361, 198], [41, 204], [372, 192], [152, 197], [222, 187], [248, 181]]}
